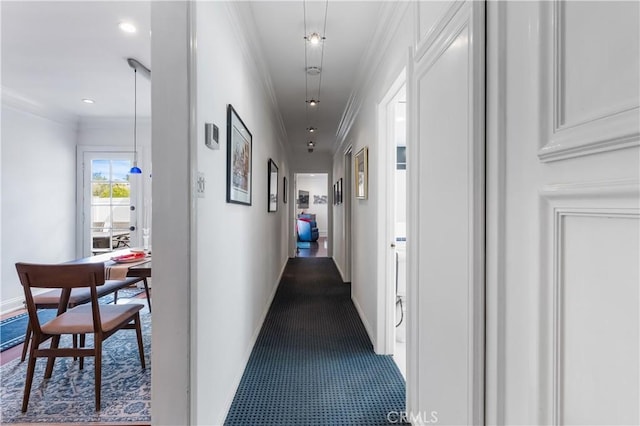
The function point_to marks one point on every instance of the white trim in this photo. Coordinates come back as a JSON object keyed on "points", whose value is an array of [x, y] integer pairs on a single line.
{"points": [[82, 204], [243, 21], [470, 17], [612, 127], [495, 396], [16, 101], [424, 43], [413, 248], [390, 19], [386, 218], [606, 199], [192, 243]]}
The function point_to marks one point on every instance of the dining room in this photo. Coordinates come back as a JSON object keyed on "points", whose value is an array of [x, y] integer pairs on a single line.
{"points": [[76, 174]]}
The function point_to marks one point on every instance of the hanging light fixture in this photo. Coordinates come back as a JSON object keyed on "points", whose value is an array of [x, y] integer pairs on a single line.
{"points": [[316, 40], [135, 170], [136, 65]]}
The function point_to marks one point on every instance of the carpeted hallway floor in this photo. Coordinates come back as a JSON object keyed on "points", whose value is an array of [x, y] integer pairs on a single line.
{"points": [[313, 363]]}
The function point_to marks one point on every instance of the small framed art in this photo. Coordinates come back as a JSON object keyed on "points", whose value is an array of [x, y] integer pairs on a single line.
{"points": [[361, 173], [272, 183], [239, 146]]}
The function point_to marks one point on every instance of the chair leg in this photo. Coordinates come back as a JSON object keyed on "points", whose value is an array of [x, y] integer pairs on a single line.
{"points": [[139, 335], [54, 345], [146, 289], [97, 344], [82, 342], [27, 340], [31, 366]]}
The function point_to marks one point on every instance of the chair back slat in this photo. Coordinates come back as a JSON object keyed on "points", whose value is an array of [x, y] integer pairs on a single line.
{"points": [[60, 275]]}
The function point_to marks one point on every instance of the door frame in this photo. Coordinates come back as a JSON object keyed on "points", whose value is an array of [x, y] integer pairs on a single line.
{"points": [[346, 194], [386, 211], [81, 202]]}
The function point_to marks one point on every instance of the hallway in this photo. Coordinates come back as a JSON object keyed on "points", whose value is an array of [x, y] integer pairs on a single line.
{"points": [[313, 363]]}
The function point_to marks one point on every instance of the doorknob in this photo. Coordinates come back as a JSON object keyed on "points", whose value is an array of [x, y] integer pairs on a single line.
{"points": [[132, 228], [393, 245]]}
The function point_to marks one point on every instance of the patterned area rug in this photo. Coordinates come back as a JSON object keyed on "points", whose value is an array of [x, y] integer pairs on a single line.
{"points": [[69, 395], [313, 363]]}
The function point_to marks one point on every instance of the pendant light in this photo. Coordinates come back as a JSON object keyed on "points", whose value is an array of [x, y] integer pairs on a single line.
{"points": [[135, 170]]}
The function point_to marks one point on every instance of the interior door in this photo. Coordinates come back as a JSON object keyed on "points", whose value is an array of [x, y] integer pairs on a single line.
{"points": [[109, 202], [563, 330], [445, 234]]}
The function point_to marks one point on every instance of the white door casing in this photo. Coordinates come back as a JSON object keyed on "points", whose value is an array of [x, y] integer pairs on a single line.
{"points": [[445, 229]]}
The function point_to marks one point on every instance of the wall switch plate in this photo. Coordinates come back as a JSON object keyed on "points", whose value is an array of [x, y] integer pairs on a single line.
{"points": [[200, 185], [211, 135]]}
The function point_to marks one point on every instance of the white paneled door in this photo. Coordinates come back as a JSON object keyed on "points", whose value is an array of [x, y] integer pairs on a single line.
{"points": [[563, 230], [445, 163]]}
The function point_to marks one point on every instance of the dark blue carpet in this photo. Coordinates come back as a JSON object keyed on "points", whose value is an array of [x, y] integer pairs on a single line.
{"points": [[313, 363], [12, 329]]}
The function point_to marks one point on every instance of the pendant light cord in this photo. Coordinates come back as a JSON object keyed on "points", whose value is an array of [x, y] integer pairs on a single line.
{"points": [[135, 116]]}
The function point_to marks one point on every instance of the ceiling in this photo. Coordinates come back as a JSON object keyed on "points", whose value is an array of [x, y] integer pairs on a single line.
{"points": [[57, 53]]}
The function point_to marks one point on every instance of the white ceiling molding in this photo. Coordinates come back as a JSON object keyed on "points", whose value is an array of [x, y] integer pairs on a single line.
{"points": [[243, 22], [391, 16], [16, 101]]}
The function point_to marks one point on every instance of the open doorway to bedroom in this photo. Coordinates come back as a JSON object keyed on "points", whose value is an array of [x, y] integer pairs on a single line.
{"points": [[312, 214]]}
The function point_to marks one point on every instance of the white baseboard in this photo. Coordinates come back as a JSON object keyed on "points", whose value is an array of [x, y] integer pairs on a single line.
{"points": [[11, 305], [363, 318], [339, 270], [247, 354]]}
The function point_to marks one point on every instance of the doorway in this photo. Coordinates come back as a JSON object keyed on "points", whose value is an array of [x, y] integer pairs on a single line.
{"points": [[109, 198], [393, 131], [312, 214]]}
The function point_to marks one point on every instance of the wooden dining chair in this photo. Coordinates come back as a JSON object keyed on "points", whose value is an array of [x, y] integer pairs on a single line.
{"points": [[100, 320]]}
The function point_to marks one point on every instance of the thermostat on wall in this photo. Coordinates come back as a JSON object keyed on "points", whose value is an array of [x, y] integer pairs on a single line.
{"points": [[211, 135]]}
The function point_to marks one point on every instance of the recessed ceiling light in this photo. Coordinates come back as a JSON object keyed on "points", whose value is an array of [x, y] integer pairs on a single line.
{"points": [[311, 129], [88, 101], [313, 102], [127, 27], [310, 143], [313, 70]]}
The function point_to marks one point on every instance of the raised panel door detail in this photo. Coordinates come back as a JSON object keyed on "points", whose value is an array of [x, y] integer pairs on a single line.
{"points": [[590, 68]]}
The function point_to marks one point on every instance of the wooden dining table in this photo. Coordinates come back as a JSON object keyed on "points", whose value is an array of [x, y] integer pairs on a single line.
{"points": [[141, 269]]}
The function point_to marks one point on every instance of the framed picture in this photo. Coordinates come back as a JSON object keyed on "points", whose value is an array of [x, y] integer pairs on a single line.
{"points": [[303, 199], [340, 191], [361, 173], [272, 184], [239, 146], [335, 193], [284, 189]]}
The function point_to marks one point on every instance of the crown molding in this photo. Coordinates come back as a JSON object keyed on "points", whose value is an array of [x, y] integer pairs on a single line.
{"points": [[391, 15], [16, 101], [243, 22]]}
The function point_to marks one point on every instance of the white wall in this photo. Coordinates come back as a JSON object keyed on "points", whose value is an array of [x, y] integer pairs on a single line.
{"points": [[316, 185], [241, 250], [38, 193]]}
